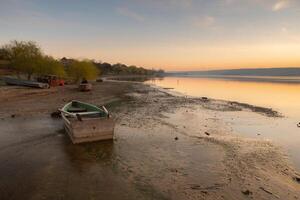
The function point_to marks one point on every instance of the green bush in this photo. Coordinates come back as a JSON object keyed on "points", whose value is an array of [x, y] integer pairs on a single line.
{"points": [[27, 58], [49, 66], [24, 57], [79, 70]]}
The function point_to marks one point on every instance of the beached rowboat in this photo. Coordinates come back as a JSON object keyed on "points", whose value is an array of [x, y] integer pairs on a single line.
{"points": [[86, 122], [20, 82]]}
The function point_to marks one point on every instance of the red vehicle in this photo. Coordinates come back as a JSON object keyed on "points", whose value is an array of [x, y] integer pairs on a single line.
{"points": [[52, 80]]}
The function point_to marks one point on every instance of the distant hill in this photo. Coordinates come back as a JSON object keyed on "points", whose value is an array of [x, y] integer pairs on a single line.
{"points": [[241, 72]]}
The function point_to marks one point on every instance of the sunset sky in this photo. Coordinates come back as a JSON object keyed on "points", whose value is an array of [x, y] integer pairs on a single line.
{"points": [[168, 34]]}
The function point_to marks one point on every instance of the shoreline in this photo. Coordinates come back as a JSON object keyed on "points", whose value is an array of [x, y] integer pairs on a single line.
{"points": [[233, 145], [244, 78], [165, 147], [238, 106]]}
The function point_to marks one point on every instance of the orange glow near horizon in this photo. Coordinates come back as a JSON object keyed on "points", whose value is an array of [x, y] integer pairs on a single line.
{"points": [[191, 57]]}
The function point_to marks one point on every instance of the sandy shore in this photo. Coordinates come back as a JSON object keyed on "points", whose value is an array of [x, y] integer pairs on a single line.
{"points": [[165, 147]]}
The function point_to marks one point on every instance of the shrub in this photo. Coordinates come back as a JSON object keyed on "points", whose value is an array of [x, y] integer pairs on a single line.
{"points": [[79, 70]]}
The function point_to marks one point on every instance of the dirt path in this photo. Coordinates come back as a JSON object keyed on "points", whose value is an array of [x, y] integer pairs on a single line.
{"points": [[165, 147]]}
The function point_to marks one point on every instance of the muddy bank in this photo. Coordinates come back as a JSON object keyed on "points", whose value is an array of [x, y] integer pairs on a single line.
{"points": [[165, 147]]}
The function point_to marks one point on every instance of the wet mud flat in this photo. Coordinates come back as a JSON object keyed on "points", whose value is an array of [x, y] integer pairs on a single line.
{"points": [[165, 147]]}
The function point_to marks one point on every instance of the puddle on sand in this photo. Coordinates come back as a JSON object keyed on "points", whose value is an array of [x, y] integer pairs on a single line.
{"points": [[281, 131], [19, 131], [39, 162]]}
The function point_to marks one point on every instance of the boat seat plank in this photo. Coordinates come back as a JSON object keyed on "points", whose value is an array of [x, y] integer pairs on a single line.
{"points": [[90, 113]]}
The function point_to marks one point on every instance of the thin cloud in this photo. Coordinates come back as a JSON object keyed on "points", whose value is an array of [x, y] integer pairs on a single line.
{"points": [[228, 1], [284, 30], [180, 3], [166, 3], [206, 21], [131, 14], [282, 4]]}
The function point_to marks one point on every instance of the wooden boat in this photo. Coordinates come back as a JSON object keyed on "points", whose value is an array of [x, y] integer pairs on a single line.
{"points": [[86, 122], [20, 82], [84, 87]]}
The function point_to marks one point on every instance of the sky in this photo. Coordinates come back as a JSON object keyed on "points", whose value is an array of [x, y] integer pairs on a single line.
{"points": [[168, 34]]}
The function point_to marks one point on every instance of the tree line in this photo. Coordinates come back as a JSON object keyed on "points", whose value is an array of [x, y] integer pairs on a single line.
{"points": [[27, 58], [122, 69]]}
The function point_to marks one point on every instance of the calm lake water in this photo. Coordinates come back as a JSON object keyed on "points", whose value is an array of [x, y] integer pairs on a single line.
{"points": [[279, 93]]}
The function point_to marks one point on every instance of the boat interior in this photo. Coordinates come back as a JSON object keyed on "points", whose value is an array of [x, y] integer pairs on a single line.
{"points": [[85, 110]]}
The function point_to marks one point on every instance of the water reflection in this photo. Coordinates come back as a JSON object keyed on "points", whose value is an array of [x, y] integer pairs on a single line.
{"points": [[86, 155], [280, 96]]}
